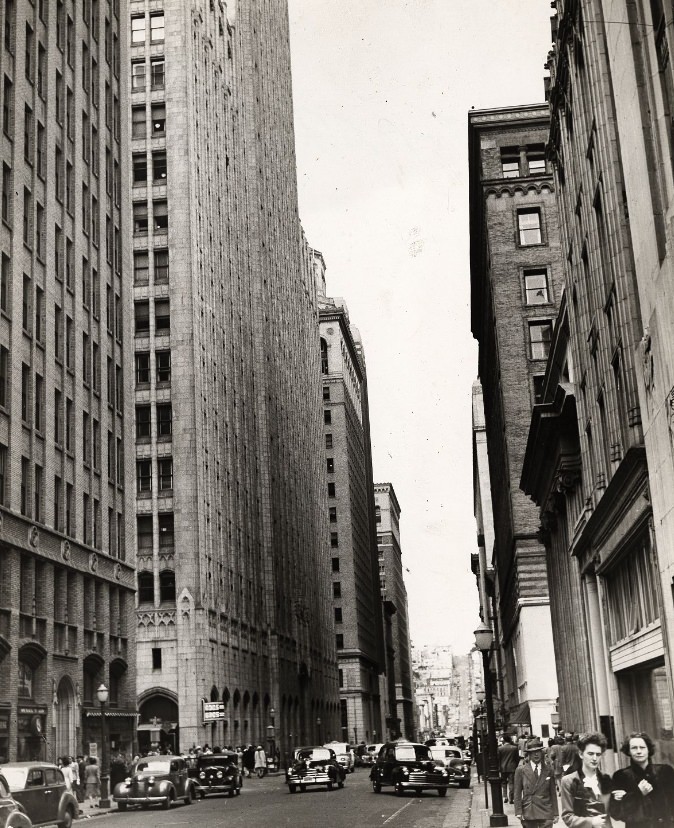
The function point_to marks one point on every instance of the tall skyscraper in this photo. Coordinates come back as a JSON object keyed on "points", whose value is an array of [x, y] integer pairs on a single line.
{"points": [[400, 715], [356, 603], [235, 631], [66, 542]]}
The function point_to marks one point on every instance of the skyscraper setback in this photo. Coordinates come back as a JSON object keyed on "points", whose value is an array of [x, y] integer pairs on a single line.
{"points": [[233, 564]]}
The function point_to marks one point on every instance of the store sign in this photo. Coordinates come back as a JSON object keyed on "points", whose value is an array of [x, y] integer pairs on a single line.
{"points": [[213, 711], [32, 710]]}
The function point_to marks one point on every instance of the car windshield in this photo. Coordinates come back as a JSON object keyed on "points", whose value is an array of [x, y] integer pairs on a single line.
{"points": [[412, 753], [218, 761], [153, 765], [16, 778], [314, 754]]}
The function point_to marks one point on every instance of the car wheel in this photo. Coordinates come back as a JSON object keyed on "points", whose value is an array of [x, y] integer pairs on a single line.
{"points": [[340, 784], [121, 806], [68, 817], [442, 791], [303, 788], [190, 796], [329, 786], [376, 787], [166, 804], [399, 789], [464, 783], [292, 788]]}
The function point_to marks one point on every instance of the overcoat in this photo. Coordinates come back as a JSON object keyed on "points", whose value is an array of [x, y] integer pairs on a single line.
{"points": [[636, 810]]}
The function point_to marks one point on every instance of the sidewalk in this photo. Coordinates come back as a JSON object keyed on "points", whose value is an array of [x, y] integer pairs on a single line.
{"points": [[479, 814]]}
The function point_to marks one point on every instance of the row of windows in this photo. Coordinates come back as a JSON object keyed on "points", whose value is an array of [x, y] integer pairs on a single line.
{"points": [[139, 28], [144, 475], [141, 266], [162, 316], [145, 531], [140, 168], [157, 121], [162, 367], [141, 218], [164, 419], [139, 75], [167, 587], [516, 162]]}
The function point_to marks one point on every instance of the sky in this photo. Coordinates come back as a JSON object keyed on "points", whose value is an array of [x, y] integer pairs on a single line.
{"points": [[381, 92]]}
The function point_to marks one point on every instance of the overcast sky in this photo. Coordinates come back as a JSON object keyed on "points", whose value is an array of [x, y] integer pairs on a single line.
{"points": [[381, 94]]}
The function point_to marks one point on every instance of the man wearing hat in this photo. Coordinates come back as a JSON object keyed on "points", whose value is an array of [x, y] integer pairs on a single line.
{"points": [[535, 792]]}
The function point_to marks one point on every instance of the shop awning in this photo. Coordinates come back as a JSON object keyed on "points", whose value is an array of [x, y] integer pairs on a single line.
{"points": [[521, 715]]}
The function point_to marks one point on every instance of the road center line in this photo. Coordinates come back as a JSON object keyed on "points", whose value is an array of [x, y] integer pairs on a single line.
{"points": [[399, 811]]}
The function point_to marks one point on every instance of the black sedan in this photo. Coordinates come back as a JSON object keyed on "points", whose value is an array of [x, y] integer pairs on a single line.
{"points": [[314, 766], [11, 815], [217, 773], [408, 766]]}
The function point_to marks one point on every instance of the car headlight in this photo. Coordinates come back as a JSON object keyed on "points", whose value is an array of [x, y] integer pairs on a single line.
{"points": [[127, 781], [405, 771], [219, 774], [465, 768], [202, 775], [150, 780]]}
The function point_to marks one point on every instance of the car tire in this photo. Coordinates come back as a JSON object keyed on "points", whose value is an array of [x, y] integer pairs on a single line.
{"points": [[399, 789], [166, 804], [442, 791], [464, 783], [303, 788], [340, 784], [292, 788], [68, 817], [190, 796], [329, 786], [122, 806], [376, 787]]}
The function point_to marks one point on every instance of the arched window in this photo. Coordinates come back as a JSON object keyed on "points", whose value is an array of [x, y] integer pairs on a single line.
{"points": [[324, 356], [167, 585], [25, 681], [146, 587]]}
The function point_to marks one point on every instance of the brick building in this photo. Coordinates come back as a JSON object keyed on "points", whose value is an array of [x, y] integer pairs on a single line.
{"points": [[66, 537], [586, 461], [516, 285], [400, 714], [355, 578], [234, 597]]}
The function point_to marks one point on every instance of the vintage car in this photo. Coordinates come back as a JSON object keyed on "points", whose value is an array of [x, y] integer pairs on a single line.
{"points": [[217, 773], [40, 791], [452, 758], [156, 780], [314, 766], [408, 766], [11, 815], [371, 753], [345, 754]]}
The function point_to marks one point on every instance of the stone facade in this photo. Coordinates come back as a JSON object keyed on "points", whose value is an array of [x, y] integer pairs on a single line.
{"points": [[400, 719], [356, 602], [596, 495], [232, 542], [516, 287], [66, 493]]}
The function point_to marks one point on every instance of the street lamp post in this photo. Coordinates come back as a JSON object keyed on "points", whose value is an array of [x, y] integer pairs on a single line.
{"points": [[102, 695], [318, 728], [484, 639], [271, 737]]}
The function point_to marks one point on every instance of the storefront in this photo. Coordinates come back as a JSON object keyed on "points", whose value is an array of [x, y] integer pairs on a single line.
{"points": [[5, 713], [120, 728], [31, 742]]}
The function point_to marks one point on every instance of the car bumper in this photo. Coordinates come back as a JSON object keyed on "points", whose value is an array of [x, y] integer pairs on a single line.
{"points": [[408, 783], [141, 800], [212, 789], [319, 779]]}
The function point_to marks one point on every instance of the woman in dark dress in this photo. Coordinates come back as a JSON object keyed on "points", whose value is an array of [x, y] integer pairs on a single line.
{"points": [[643, 793]]}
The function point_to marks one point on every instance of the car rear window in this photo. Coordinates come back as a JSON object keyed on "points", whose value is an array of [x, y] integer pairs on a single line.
{"points": [[412, 753], [16, 778], [154, 765]]}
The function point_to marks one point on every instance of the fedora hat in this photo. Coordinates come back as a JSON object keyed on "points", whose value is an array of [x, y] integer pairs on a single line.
{"points": [[534, 744]]}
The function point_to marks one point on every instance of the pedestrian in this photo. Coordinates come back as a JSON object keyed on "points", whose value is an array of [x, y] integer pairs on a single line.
{"points": [[508, 760], [535, 794], [555, 759], [260, 762], [643, 793], [75, 771], [67, 772], [569, 754], [586, 792], [92, 778], [249, 760]]}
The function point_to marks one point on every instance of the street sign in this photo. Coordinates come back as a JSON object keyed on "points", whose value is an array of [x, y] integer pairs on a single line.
{"points": [[213, 711]]}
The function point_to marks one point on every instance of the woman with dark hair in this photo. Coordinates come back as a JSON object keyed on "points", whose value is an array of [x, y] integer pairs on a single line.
{"points": [[586, 791], [643, 793]]}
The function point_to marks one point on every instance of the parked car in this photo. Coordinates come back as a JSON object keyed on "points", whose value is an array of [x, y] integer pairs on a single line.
{"points": [[11, 815], [217, 773], [40, 791], [408, 766], [345, 754], [452, 758], [371, 753], [156, 780], [314, 766]]}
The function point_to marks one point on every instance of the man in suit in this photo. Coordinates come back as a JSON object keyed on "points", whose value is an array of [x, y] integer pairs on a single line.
{"points": [[535, 792]]}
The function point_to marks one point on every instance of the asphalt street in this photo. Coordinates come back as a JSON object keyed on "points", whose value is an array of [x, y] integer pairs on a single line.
{"points": [[266, 803]]}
